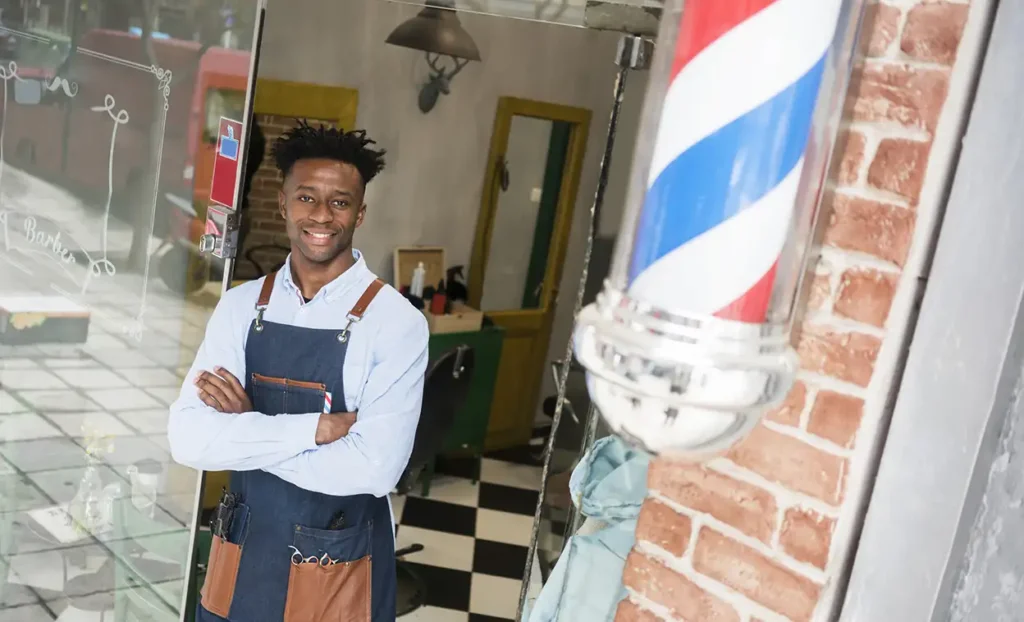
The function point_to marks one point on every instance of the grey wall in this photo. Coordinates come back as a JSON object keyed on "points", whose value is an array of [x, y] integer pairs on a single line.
{"points": [[430, 193], [937, 541], [991, 575]]}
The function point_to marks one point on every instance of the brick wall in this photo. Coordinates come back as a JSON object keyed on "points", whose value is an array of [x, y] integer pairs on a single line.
{"points": [[265, 223], [752, 535]]}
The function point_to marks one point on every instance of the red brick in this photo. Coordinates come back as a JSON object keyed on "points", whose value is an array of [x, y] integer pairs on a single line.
{"points": [[664, 586], [836, 417], [792, 463], [754, 575], [899, 167], [806, 536], [266, 225], [788, 413], [866, 296], [881, 25], [912, 97], [933, 31], [628, 611], [853, 157], [746, 507], [846, 356], [664, 527], [878, 229]]}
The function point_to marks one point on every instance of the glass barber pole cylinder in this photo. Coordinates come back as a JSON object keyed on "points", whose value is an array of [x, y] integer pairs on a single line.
{"points": [[689, 343]]}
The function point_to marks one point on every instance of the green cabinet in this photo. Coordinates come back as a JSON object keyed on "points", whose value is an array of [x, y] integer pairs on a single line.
{"points": [[470, 428]]}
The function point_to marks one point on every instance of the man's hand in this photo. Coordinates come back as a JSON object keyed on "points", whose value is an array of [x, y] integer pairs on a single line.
{"points": [[223, 392], [333, 426]]}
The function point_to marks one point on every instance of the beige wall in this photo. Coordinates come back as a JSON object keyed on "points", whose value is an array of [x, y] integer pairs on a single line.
{"points": [[430, 192]]}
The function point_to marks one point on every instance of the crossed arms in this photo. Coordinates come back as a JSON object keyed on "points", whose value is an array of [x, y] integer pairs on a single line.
{"points": [[212, 428]]}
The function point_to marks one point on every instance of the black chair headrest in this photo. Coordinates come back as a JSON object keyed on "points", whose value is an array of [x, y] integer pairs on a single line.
{"points": [[445, 389]]}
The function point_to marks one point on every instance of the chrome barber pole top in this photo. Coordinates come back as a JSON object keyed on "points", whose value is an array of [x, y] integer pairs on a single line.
{"points": [[689, 343]]}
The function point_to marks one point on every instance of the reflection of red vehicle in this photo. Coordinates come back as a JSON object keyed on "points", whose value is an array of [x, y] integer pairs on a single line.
{"points": [[68, 139], [222, 79], [220, 92], [81, 142]]}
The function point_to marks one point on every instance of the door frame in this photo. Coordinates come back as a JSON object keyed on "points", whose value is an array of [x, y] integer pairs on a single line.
{"points": [[507, 108], [318, 101], [188, 598], [539, 320]]}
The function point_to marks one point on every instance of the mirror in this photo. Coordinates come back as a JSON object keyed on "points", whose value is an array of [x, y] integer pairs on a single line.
{"points": [[529, 179]]}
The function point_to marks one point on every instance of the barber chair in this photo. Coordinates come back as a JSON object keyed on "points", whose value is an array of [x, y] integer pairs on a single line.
{"points": [[445, 388]]}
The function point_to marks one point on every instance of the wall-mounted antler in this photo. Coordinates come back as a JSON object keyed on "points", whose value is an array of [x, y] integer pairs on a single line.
{"points": [[438, 70], [440, 79]]}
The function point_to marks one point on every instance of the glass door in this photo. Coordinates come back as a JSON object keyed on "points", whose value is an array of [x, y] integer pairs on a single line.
{"points": [[105, 140]]}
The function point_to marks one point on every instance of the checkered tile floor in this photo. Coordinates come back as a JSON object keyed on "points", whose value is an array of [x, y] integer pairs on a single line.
{"points": [[475, 536]]}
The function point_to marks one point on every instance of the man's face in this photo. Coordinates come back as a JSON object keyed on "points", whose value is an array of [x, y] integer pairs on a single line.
{"points": [[322, 204]]}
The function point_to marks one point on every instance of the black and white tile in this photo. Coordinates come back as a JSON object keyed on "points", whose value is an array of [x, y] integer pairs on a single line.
{"points": [[475, 536]]}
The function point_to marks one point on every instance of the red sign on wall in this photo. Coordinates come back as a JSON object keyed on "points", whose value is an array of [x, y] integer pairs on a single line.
{"points": [[225, 164]]}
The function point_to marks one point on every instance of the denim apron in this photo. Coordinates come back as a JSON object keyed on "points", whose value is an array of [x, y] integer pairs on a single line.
{"points": [[287, 552]]}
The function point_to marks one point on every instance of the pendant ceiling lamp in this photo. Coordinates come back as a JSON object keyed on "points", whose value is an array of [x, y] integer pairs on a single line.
{"points": [[437, 32]]}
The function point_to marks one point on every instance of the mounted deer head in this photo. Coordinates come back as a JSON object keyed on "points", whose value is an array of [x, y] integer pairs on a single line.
{"points": [[439, 81]]}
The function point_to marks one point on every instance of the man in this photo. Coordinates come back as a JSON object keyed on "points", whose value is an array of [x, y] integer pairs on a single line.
{"points": [[308, 388]]}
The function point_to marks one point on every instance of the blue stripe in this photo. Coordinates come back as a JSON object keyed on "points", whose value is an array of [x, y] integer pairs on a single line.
{"points": [[697, 191]]}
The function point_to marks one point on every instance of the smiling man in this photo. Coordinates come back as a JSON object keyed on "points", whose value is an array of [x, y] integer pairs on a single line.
{"points": [[307, 387]]}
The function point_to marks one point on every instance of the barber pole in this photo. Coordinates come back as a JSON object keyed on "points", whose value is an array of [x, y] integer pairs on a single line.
{"points": [[327, 402], [729, 154], [684, 348]]}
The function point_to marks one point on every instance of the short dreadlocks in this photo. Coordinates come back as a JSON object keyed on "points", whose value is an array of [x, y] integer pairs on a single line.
{"points": [[305, 142]]}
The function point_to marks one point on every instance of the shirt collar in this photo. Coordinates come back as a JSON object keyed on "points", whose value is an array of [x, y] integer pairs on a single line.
{"points": [[344, 281]]}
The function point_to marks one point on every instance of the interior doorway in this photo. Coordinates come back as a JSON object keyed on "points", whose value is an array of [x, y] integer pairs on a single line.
{"points": [[529, 194]]}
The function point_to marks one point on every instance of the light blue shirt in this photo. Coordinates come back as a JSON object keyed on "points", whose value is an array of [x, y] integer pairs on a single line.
{"points": [[383, 377]]}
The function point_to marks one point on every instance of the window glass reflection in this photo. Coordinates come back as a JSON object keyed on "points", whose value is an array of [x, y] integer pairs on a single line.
{"points": [[106, 109]]}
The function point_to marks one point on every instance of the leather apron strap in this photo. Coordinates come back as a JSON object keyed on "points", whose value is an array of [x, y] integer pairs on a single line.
{"points": [[354, 315], [364, 301], [268, 288]]}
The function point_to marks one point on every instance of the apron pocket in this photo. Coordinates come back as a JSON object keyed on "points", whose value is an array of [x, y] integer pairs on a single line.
{"points": [[338, 592], [334, 585], [221, 572], [284, 396]]}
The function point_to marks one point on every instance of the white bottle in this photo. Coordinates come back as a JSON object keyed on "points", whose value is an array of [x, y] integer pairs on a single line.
{"points": [[418, 276]]}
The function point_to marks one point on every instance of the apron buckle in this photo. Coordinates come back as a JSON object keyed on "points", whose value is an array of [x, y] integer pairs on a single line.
{"points": [[343, 335], [259, 318]]}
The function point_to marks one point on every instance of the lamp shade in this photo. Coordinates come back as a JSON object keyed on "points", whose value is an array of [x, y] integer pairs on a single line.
{"points": [[436, 29]]}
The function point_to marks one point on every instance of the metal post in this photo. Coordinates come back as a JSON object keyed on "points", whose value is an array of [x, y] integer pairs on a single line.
{"points": [[634, 52]]}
